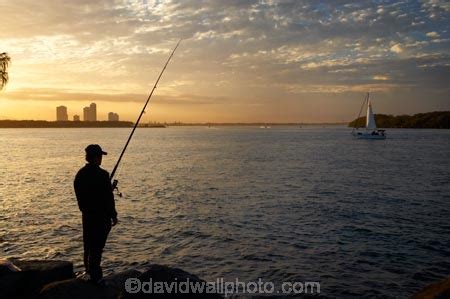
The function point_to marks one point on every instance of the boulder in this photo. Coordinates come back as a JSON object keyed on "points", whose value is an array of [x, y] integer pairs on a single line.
{"points": [[55, 280], [168, 275], [33, 276], [78, 289], [439, 290]]}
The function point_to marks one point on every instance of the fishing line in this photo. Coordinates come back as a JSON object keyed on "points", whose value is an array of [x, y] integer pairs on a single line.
{"points": [[114, 181]]}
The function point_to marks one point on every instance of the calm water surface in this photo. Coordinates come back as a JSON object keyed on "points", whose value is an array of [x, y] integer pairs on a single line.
{"points": [[365, 218]]}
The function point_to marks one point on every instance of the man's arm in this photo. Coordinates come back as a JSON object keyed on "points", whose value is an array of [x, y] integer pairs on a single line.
{"points": [[110, 202], [79, 190]]}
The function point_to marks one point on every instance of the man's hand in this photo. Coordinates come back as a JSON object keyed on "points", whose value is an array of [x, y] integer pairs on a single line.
{"points": [[114, 221]]}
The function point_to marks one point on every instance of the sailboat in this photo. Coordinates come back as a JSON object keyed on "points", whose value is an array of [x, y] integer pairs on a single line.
{"points": [[371, 131]]}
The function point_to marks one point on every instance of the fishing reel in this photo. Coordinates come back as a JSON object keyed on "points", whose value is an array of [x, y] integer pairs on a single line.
{"points": [[115, 188]]}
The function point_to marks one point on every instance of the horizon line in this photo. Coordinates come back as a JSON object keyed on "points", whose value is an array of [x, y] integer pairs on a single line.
{"points": [[179, 123]]}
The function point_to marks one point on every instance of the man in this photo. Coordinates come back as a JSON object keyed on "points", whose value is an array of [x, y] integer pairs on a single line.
{"points": [[96, 202]]}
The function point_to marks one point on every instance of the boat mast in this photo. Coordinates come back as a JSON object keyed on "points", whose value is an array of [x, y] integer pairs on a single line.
{"points": [[366, 99]]}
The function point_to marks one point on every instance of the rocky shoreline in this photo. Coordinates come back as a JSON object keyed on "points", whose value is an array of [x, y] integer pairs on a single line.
{"points": [[53, 279], [50, 279]]}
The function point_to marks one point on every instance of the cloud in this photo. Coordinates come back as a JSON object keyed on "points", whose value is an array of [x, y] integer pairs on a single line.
{"points": [[59, 95], [396, 49], [239, 49], [380, 78], [54, 95], [433, 34]]}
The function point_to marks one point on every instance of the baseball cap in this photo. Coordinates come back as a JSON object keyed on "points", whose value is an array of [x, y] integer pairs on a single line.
{"points": [[95, 149]]}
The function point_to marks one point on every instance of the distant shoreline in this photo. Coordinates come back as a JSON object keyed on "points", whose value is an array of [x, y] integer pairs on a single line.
{"points": [[429, 120], [128, 124], [383, 121], [63, 124]]}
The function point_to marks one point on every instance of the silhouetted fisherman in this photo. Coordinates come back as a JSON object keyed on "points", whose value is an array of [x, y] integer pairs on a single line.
{"points": [[96, 202]]}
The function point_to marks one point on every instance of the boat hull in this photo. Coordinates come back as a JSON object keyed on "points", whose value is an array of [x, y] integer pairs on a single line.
{"points": [[367, 135]]}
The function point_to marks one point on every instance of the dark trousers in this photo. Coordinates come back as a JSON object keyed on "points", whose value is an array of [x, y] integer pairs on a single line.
{"points": [[95, 232]]}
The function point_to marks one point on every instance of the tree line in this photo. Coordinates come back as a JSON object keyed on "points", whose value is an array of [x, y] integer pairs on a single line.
{"points": [[429, 120]]}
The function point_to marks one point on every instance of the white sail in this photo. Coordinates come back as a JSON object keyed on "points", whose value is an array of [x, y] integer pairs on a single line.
{"points": [[370, 119]]}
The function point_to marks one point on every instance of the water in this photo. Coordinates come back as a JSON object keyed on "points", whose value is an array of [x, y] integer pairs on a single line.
{"points": [[365, 218]]}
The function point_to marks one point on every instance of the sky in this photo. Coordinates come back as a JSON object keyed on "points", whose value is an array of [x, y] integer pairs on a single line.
{"points": [[239, 60]]}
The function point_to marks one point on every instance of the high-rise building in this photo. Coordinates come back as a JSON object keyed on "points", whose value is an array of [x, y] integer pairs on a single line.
{"points": [[93, 112], [76, 117], [86, 114], [61, 113], [90, 112], [113, 116]]}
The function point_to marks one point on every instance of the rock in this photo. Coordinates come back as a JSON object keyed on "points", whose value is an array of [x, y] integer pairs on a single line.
{"points": [[439, 290], [118, 280], [11, 283], [34, 275], [6, 266], [158, 273], [55, 280], [75, 289], [46, 271]]}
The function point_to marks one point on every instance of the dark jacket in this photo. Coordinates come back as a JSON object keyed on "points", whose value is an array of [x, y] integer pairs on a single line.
{"points": [[94, 191]]}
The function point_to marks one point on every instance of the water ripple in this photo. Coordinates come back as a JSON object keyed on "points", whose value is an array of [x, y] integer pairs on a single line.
{"points": [[364, 219]]}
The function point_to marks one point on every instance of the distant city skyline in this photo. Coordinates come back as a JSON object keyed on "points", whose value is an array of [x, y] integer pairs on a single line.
{"points": [[89, 114]]}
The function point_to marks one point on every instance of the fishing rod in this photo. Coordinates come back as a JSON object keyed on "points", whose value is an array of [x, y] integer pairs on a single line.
{"points": [[111, 177]]}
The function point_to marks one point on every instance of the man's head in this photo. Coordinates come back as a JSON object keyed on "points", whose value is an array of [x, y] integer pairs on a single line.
{"points": [[94, 154]]}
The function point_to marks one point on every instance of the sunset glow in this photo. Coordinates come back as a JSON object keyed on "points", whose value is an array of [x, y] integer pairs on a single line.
{"points": [[239, 61]]}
